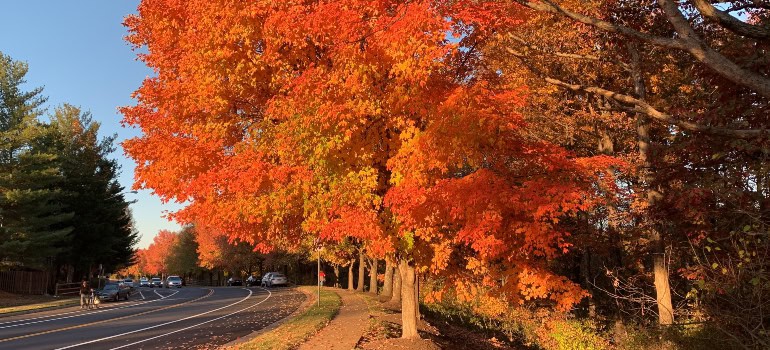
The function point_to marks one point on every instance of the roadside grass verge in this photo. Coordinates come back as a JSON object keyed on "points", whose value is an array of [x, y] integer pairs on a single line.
{"points": [[295, 331], [11, 303]]}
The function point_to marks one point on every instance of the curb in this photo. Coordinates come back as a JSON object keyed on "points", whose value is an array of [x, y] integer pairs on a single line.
{"points": [[309, 300]]}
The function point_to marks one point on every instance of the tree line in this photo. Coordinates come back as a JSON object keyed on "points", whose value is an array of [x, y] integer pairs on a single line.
{"points": [[61, 207], [598, 162]]}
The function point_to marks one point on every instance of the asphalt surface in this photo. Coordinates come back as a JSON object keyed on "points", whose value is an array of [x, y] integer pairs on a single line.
{"points": [[189, 317]]}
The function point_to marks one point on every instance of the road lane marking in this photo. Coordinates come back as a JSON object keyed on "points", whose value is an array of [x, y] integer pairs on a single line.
{"points": [[164, 324], [142, 295], [211, 291], [195, 325], [50, 318]]}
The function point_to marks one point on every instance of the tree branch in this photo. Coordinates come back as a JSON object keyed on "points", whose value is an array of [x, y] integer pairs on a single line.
{"points": [[728, 21], [646, 108], [548, 6], [708, 56], [687, 41]]}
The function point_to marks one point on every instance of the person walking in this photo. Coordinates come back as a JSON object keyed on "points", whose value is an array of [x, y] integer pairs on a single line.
{"points": [[85, 292]]}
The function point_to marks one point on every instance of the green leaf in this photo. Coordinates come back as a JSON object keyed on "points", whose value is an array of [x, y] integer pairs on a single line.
{"points": [[714, 266]]}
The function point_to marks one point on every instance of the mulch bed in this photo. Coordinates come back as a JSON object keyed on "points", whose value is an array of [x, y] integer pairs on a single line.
{"points": [[385, 330]]}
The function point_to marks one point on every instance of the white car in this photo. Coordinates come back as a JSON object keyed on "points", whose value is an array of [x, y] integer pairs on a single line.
{"points": [[274, 279], [144, 282], [128, 282]]}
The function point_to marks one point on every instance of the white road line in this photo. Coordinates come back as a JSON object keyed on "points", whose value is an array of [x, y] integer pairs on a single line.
{"points": [[142, 295], [162, 324], [156, 292], [196, 325], [78, 314]]}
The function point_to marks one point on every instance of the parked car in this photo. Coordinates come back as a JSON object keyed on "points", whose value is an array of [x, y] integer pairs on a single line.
{"points": [[234, 281], [265, 279], [276, 279], [129, 282], [251, 281], [174, 282], [156, 282], [114, 292], [144, 282]]}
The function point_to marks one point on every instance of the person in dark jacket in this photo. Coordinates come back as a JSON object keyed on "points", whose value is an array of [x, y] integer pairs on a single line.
{"points": [[84, 293]]}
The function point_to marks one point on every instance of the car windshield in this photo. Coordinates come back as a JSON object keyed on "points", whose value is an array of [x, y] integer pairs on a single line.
{"points": [[156, 279], [111, 286], [174, 279], [278, 275], [128, 280], [143, 279]]}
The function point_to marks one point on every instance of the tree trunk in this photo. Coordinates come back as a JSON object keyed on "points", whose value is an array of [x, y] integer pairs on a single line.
{"points": [[373, 284], [350, 276], [409, 306], [336, 276], [396, 297], [647, 180], [361, 271], [387, 287]]}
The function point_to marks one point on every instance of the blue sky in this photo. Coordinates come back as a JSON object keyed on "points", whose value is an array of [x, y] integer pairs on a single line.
{"points": [[75, 50]]}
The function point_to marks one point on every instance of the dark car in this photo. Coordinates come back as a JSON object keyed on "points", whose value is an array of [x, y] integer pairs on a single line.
{"points": [[156, 282], [234, 281], [114, 292]]}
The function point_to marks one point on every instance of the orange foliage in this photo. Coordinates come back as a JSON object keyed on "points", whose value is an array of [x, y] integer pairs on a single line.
{"points": [[156, 255], [374, 120]]}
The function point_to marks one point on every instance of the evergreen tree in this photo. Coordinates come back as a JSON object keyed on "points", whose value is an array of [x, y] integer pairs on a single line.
{"points": [[32, 219], [103, 230]]}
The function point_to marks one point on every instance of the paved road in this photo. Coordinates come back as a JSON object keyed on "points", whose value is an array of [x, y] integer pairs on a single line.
{"points": [[190, 318]]}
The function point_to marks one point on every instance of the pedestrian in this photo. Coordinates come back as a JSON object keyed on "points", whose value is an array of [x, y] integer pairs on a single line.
{"points": [[85, 291]]}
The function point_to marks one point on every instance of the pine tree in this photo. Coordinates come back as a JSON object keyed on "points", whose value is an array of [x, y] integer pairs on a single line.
{"points": [[103, 231], [31, 214]]}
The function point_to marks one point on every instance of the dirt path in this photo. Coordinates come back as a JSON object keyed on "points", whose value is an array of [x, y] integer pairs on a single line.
{"points": [[346, 329]]}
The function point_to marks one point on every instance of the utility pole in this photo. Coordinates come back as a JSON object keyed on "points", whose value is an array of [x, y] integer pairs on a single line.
{"points": [[319, 274]]}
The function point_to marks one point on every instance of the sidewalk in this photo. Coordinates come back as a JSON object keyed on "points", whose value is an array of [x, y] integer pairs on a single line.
{"points": [[346, 329]]}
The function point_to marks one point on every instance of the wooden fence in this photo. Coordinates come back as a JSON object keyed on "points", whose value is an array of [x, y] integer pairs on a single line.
{"points": [[23, 282]]}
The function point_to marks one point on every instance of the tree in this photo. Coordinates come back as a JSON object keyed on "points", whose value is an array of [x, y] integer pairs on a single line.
{"points": [[32, 218], [159, 252], [102, 227], [358, 120], [183, 258], [698, 100]]}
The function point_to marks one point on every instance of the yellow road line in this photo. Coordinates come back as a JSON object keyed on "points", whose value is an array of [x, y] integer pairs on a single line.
{"points": [[211, 291]]}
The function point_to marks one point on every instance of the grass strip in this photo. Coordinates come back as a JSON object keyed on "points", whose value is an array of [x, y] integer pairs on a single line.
{"points": [[295, 331], [41, 305]]}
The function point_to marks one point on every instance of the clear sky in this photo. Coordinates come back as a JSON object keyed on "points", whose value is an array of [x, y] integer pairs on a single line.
{"points": [[75, 50]]}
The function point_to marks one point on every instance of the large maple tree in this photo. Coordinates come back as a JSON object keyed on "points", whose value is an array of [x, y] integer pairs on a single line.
{"points": [[277, 123]]}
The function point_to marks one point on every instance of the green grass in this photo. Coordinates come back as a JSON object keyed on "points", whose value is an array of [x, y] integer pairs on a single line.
{"points": [[34, 303], [295, 331]]}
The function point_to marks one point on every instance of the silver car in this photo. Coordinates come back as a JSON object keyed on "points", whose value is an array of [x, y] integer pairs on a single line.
{"points": [[174, 282]]}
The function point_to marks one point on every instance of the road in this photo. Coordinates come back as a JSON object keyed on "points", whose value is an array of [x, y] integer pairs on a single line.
{"points": [[190, 318]]}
